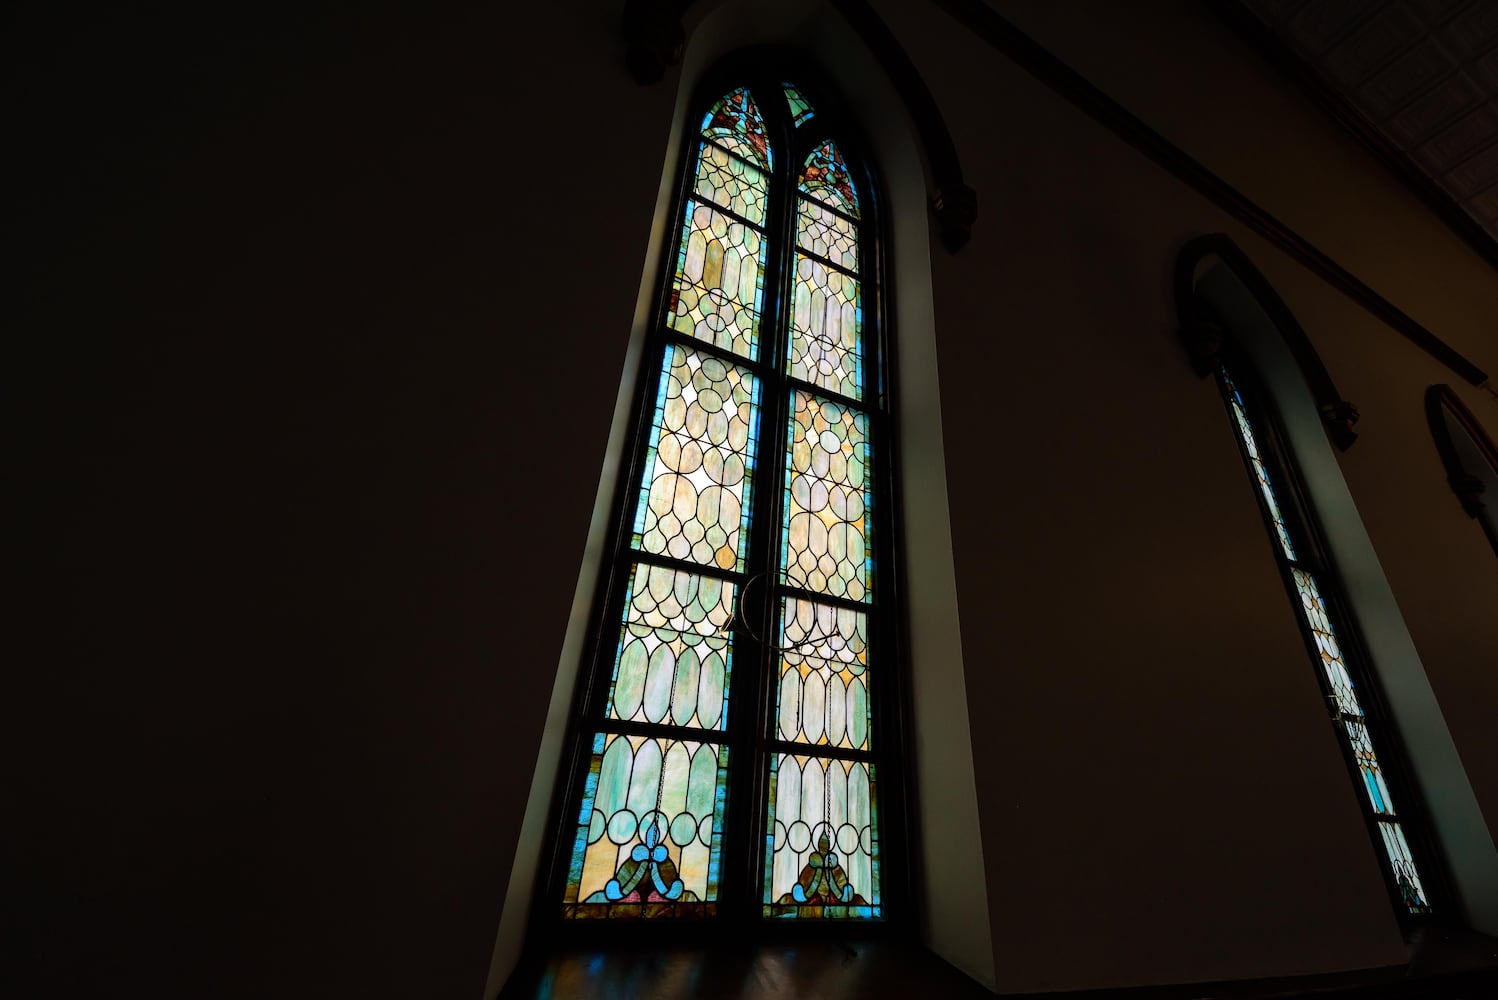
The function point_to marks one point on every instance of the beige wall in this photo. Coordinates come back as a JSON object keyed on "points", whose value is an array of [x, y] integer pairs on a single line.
{"points": [[316, 506]]}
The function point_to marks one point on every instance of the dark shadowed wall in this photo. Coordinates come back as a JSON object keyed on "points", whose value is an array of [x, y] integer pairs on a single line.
{"points": [[321, 329]]}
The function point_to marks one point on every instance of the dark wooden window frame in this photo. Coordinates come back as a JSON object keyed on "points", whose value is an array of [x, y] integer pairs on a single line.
{"points": [[762, 70], [1213, 347], [1464, 482]]}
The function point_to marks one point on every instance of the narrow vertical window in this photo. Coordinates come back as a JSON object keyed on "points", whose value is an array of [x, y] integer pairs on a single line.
{"points": [[822, 841], [1327, 629], [727, 737]]}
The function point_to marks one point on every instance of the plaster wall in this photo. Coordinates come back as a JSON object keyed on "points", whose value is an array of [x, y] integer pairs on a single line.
{"points": [[314, 511]]}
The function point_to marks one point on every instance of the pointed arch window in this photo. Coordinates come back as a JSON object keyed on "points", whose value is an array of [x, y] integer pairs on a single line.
{"points": [[730, 730], [1469, 456], [1350, 700], [1231, 321]]}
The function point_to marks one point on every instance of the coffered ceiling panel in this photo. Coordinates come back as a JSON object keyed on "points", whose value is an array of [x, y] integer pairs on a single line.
{"points": [[1423, 73]]}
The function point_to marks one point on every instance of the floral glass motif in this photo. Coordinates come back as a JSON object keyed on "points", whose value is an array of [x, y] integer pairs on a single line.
{"points": [[825, 177], [1339, 680], [822, 845], [825, 534], [823, 698], [696, 488], [800, 110], [649, 834], [735, 124], [674, 660]]}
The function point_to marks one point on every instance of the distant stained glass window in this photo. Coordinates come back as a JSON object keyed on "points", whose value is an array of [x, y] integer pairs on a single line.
{"points": [[1318, 619], [648, 825]]}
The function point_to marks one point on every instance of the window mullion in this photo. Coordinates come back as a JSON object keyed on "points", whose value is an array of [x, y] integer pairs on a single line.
{"points": [[749, 712]]}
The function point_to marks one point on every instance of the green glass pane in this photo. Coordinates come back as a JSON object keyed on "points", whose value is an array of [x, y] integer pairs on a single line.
{"points": [[649, 833], [825, 533], [826, 234], [823, 691], [734, 122], [673, 660], [800, 110], [730, 183], [822, 840], [825, 177], [717, 295], [695, 488], [826, 328]]}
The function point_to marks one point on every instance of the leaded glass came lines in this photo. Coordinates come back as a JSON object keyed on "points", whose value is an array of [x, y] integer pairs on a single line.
{"points": [[1246, 430], [696, 487], [732, 183], [1406, 875], [826, 234], [649, 834], [674, 660], [826, 321], [823, 697], [1326, 642], [1349, 712], [826, 525], [1373, 775], [718, 293], [822, 847], [655, 741]]}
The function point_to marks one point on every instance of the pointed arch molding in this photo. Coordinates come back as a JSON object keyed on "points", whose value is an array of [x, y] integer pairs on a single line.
{"points": [[1443, 409], [654, 39], [1204, 334]]}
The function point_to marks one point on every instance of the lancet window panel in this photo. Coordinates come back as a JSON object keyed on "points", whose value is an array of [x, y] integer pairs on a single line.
{"points": [[719, 290], [1319, 620], [827, 545], [822, 847], [674, 658], [823, 695], [649, 835], [696, 489], [714, 723]]}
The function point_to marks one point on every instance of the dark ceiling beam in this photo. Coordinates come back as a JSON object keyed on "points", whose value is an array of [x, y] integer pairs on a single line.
{"points": [[1004, 37]]}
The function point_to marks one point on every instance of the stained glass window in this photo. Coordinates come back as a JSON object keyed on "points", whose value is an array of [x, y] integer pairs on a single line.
{"points": [[726, 586], [1319, 620]]}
